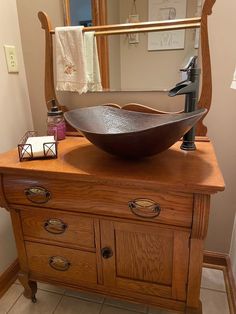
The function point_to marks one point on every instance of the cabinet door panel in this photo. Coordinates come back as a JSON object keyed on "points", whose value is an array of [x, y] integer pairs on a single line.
{"points": [[144, 255], [146, 259]]}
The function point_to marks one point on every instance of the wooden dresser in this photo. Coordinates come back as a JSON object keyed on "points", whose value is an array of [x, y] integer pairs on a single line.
{"points": [[127, 229]]}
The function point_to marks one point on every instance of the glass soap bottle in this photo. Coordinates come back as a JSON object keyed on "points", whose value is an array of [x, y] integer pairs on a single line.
{"points": [[55, 122]]}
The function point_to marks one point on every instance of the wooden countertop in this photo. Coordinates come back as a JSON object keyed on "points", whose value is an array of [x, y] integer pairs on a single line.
{"points": [[78, 159]]}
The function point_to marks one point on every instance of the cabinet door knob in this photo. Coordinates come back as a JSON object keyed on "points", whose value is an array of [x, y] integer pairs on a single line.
{"points": [[144, 208], [106, 252], [55, 226], [59, 263], [37, 194]]}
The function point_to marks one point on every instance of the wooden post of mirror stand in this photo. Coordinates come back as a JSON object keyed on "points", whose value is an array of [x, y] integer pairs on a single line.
{"points": [[206, 94], [99, 15], [49, 75]]}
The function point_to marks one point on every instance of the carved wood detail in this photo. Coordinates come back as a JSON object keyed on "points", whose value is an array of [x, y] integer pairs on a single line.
{"points": [[3, 201], [29, 286], [201, 209], [200, 216]]}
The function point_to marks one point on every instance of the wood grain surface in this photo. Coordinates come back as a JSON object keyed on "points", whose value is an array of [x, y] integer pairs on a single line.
{"points": [[82, 264], [153, 260], [176, 207], [79, 230], [174, 169], [143, 258]]}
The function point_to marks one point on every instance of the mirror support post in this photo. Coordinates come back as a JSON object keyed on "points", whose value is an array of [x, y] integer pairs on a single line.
{"points": [[206, 94], [49, 75]]}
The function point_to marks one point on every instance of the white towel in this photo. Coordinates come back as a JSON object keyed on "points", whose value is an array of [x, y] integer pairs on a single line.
{"points": [[70, 59], [92, 63], [37, 146], [233, 85]]}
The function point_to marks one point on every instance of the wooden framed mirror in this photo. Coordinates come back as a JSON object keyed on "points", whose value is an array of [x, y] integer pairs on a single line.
{"points": [[98, 10], [143, 27]]}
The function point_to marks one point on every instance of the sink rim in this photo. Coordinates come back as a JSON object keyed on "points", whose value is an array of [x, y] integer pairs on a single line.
{"points": [[161, 120]]}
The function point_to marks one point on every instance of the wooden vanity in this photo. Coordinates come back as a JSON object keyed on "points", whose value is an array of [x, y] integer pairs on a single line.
{"points": [[127, 229]]}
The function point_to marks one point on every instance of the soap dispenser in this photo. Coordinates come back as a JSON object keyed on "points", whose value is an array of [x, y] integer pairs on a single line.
{"points": [[56, 122]]}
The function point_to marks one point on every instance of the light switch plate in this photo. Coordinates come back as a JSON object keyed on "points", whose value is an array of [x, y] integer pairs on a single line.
{"points": [[11, 59]]}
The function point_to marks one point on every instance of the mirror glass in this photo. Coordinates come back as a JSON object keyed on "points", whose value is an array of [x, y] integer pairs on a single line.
{"points": [[145, 61]]}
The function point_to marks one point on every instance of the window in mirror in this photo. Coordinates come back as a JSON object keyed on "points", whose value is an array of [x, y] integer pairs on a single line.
{"points": [[80, 12]]}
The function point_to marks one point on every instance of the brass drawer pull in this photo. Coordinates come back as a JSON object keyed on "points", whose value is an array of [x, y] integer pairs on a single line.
{"points": [[55, 226], [107, 252], [145, 208], [37, 195], [59, 263]]}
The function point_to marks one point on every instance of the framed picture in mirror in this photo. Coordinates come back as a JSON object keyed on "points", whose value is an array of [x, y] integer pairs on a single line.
{"points": [[159, 10]]}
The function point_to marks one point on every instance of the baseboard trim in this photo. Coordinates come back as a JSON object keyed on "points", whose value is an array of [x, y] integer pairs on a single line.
{"points": [[222, 261], [8, 277]]}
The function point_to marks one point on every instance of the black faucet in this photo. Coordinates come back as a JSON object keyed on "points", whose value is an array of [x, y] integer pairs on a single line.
{"points": [[189, 88]]}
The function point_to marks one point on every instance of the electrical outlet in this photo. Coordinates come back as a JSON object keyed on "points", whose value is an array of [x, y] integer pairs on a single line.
{"points": [[11, 59]]}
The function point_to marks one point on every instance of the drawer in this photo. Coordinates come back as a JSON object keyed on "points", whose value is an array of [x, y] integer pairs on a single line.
{"points": [[58, 226], [61, 264], [175, 207]]}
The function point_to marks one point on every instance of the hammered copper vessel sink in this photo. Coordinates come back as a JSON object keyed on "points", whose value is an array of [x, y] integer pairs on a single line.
{"points": [[131, 134]]}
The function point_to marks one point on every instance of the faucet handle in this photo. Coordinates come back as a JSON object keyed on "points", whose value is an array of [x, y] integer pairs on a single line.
{"points": [[190, 64]]}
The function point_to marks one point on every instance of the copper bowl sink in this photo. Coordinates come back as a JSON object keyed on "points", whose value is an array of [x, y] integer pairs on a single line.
{"points": [[131, 134]]}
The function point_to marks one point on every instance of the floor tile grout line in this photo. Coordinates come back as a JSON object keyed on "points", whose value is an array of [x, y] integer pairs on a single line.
{"points": [[50, 291], [83, 299], [214, 290], [123, 308], [102, 306], [59, 302], [14, 302]]}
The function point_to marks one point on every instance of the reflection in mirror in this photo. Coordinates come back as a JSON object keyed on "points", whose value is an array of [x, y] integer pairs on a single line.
{"points": [[145, 61]]}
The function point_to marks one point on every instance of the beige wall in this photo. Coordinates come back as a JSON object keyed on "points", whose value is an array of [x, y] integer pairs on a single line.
{"points": [[220, 119], [233, 249], [33, 48], [15, 112]]}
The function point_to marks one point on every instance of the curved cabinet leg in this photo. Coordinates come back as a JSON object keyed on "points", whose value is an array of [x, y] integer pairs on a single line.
{"points": [[29, 286]]}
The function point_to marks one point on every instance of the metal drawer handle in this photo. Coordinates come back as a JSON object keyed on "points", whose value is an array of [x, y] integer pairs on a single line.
{"points": [[59, 263], [107, 252], [145, 208], [37, 195], [55, 226]]}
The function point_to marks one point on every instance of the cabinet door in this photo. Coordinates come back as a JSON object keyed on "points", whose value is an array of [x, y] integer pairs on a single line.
{"points": [[146, 259]]}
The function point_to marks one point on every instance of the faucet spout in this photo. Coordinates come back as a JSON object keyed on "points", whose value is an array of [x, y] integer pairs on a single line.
{"points": [[185, 87]]}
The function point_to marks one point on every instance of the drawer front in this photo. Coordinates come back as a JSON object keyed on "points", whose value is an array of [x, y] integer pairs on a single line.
{"points": [[58, 226], [61, 264], [167, 207]]}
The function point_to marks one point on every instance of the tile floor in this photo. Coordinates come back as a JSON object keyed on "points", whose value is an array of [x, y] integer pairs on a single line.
{"points": [[52, 299]]}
